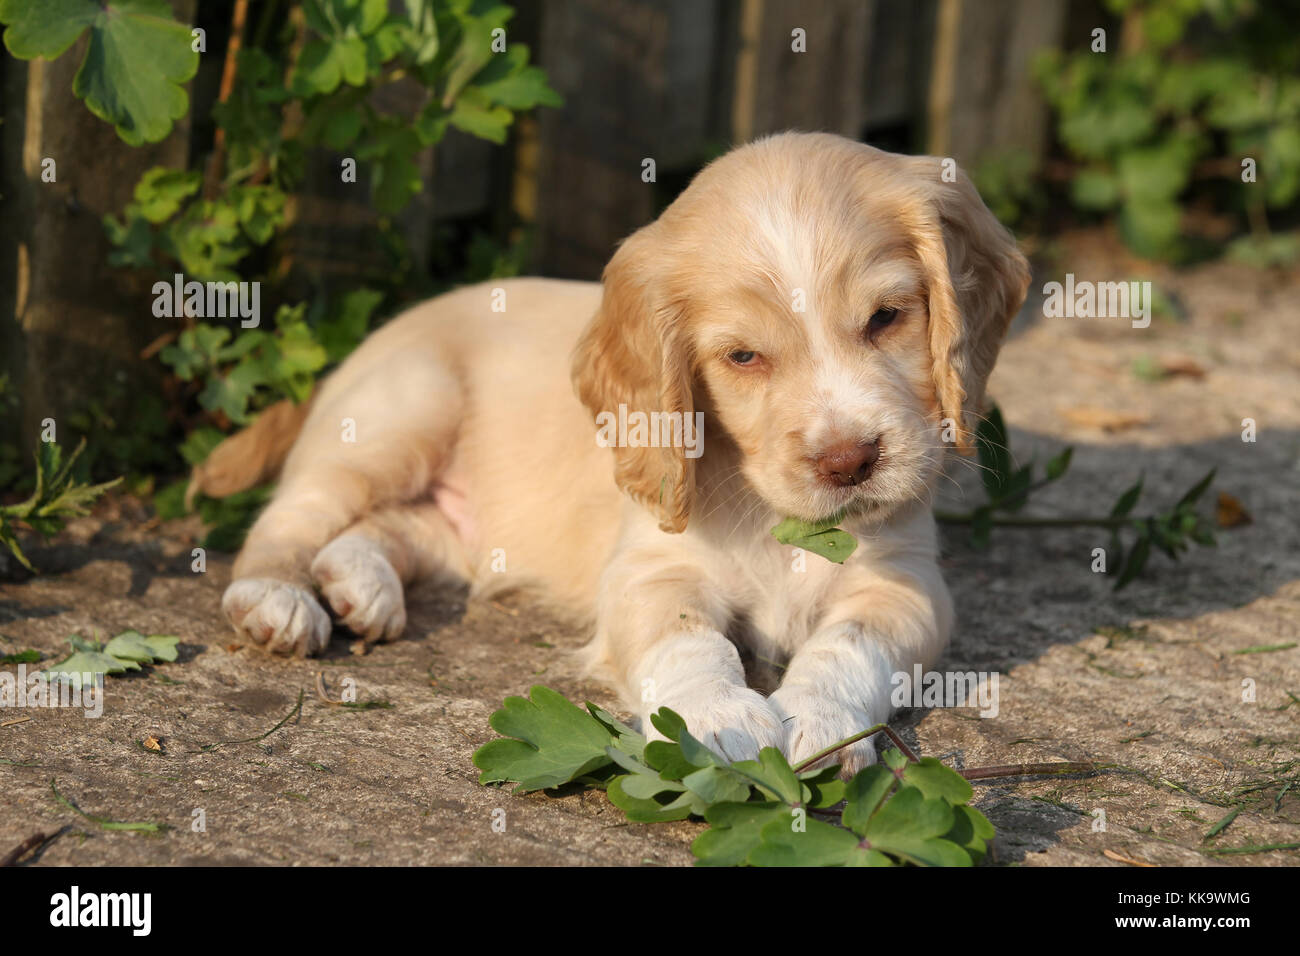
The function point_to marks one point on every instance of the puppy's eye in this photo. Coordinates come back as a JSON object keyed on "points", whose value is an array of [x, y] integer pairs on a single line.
{"points": [[880, 319], [743, 358]]}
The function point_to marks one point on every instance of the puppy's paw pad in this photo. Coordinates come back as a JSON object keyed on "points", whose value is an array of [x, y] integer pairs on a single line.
{"points": [[282, 616], [814, 722], [362, 587], [733, 721]]}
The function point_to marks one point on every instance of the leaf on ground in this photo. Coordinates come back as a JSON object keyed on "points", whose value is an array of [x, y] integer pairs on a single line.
{"points": [[1229, 512], [1104, 419], [817, 844], [74, 669], [553, 742], [134, 646]]}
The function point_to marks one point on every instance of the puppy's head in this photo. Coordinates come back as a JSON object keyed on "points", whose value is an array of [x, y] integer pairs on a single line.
{"points": [[836, 311]]}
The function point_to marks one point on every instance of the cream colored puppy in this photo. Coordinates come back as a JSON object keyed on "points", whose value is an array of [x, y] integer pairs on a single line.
{"points": [[828, 311]]}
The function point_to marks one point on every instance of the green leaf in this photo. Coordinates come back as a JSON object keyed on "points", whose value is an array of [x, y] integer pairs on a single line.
{"points": [[773, 775], [74, 668], [818, 844], [1127, 501], [912, 827], [994, 450], [1136, 561], [136, 61], [627, 739], [819, 537], [555, 741], [717, 785], [134, 646], [971, 831], [161, 191], [1195, 492], [473, 113], [735, 831], [936, 781], [864, 795], [1058, 465], [650, 810]]}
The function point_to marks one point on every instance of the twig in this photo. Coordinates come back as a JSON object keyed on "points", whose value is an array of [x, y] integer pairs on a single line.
{"points": [[1032, 770], [217, 162], [31, 844]]}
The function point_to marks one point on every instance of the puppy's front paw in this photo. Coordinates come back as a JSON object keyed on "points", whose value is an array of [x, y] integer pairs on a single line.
{"points": [[814, 722], [362, 587], [284, 617], [733, 721]]}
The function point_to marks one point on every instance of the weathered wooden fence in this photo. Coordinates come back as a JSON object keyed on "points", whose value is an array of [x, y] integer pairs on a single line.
{"points": [[675, 81]]}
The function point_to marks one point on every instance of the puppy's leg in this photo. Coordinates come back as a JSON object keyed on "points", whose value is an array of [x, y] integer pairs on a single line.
{"points": [[361, 573], [382, 441], [840, 681], [659, 637]]}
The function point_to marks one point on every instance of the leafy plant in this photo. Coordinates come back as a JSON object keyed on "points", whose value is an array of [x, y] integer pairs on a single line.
{"points": [[1008, 489], [58, 496], [761, 812], [1169, 108], [305, 78]]}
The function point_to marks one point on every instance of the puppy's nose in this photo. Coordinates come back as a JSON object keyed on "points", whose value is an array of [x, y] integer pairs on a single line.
{"points": [[849, 462]]}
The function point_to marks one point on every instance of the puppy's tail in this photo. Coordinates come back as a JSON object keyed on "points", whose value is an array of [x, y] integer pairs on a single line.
{"points": [[252, 456]]}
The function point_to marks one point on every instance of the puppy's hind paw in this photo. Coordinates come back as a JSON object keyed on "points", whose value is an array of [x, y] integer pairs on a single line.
{"points": [[362, 587], [284, 617]]}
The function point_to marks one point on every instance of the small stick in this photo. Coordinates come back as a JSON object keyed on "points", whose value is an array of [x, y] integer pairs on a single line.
{"points": [[1031, 770], [17, 853]]}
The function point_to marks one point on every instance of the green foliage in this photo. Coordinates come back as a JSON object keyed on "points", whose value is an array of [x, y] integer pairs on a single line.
{"points": [[58, 496], [125, 652], [137, 59], [1008, 489], [1143, 122], [760, 812], [292, 94]]}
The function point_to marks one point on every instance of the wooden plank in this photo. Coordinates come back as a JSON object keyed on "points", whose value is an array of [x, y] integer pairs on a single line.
{"points": [[637, 86], [984, 98], [821, 88]]}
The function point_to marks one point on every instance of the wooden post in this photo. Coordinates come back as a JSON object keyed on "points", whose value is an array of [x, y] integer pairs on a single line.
{"points": [[78, 323]]}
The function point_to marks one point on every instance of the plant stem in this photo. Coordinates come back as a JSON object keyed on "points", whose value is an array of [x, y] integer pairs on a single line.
{"points": [[803, 765]]}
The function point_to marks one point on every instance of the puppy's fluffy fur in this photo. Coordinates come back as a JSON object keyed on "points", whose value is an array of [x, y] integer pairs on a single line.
{"points": [[471, 456]]}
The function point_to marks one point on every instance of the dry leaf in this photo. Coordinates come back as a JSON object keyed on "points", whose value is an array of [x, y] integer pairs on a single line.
{"points": [[153, 743], [1111, 854], [1229, 512], [1182, 366], [1105, 419]]}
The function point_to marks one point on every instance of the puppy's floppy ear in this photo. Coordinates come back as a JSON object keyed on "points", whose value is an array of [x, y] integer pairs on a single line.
{"points": [[977, 280], [632, 354]]}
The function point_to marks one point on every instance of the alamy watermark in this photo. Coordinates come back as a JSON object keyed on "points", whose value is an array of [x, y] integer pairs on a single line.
{"points": [[948, 689], [209, 300], [1098, 300], [651, 430], [53, 689]]}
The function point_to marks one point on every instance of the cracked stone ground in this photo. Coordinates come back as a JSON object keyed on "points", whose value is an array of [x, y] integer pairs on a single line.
{"points": [[1149, 679]]}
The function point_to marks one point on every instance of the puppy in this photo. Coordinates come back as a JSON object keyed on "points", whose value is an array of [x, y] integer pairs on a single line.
{"points": [[827, 312]]}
